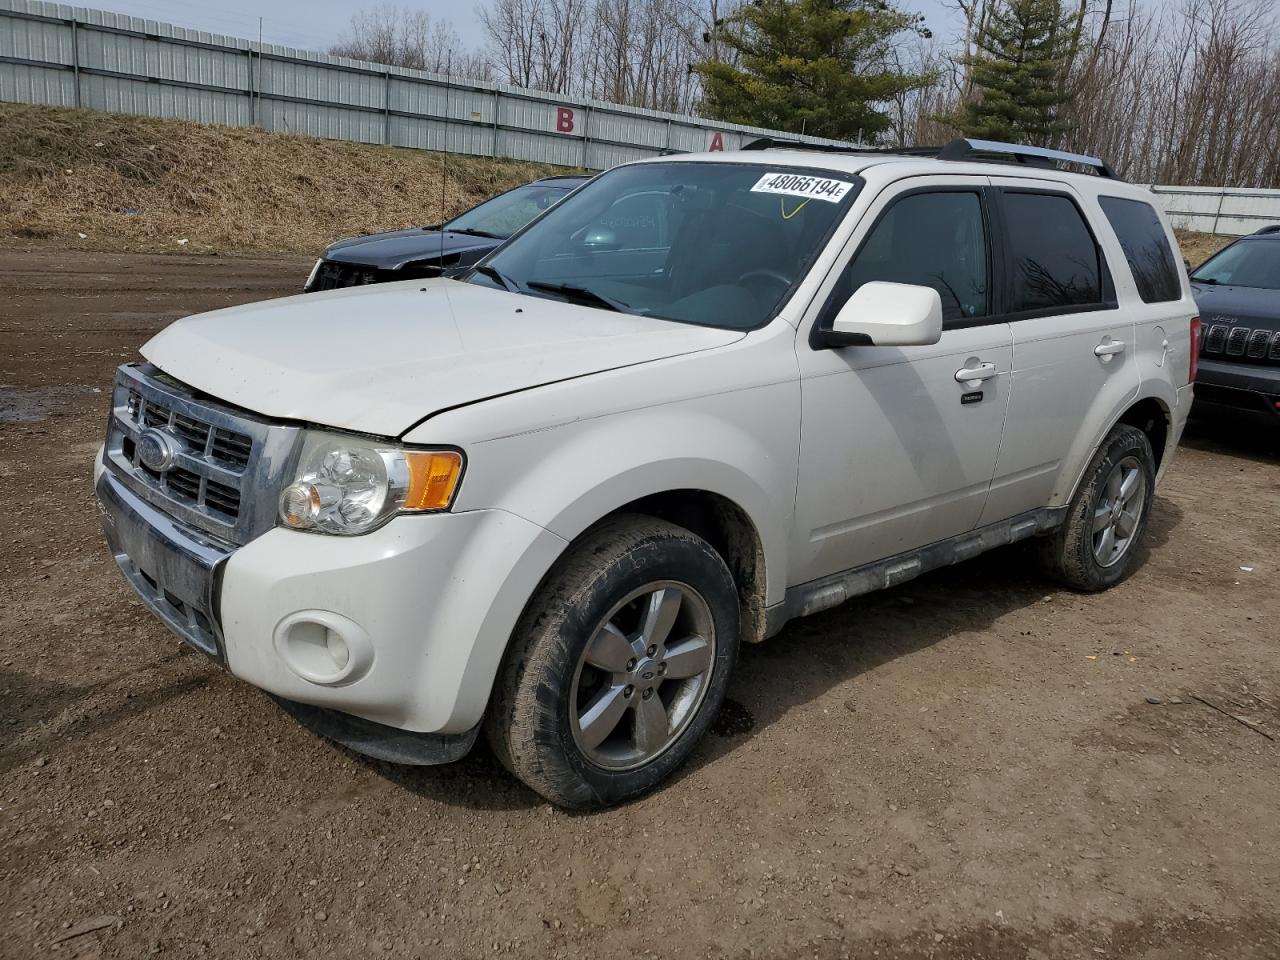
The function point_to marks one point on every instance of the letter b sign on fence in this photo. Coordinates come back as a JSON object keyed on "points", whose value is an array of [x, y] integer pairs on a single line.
{"points": [[564, 120]]}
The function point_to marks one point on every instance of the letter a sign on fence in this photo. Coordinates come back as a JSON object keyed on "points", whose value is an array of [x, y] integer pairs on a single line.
{"points": [[717, 141], [564, 120]]}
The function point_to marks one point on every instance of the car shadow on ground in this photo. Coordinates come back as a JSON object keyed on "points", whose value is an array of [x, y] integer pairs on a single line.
{"points": [[29, 703], [806, 660], [816, 653], [1250, 436]]}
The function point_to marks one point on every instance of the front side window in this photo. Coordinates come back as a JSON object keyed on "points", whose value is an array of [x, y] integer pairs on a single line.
{"points": [[1246, 263], [718, 244], [935, 239], [1054, 257], [508, 212], [1146, 248]]}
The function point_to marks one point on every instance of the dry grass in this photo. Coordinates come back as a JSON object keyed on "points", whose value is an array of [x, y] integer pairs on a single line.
{"points": [[132, 183], [100, 180], [1198, 247]]}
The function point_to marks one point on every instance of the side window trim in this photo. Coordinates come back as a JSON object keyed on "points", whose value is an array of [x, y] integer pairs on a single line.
{"points": [[822, 320], [1107, 287]]}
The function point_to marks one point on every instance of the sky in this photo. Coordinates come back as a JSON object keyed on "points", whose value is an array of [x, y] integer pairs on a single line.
{"points": [[315, 24]]}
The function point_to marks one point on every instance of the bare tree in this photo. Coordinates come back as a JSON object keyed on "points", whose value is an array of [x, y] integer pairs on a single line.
{"points": [[1185, 94], [1181, 94], [402, 37]]}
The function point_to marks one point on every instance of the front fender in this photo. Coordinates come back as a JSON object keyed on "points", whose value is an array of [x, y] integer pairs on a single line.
{"points": [[740, 445]]}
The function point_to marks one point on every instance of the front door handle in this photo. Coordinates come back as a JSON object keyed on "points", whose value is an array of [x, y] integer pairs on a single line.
{"points": [[1108, 348], [983, 371]]}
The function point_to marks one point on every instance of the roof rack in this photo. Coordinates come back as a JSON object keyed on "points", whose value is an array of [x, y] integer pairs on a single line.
{"points": [[965, 148], [971, 149], [1270, 228]]}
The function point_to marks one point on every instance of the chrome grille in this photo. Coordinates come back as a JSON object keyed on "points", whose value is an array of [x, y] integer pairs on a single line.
{"points": [[1221, 339], [1237, 340], [229, 466], [1259, 340], [334, 276], [1215, 340]]}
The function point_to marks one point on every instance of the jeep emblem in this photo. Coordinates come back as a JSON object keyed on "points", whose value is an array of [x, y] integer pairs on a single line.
{"points": [[156, 450]]}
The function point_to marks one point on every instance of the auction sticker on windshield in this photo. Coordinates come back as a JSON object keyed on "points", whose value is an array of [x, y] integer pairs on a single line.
{"points": [[798, 185]]}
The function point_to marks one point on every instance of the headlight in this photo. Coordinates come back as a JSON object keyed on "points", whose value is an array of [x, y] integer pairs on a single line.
{"points": [[347, 485]]}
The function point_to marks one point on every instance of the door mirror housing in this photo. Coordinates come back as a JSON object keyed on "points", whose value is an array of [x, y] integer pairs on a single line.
{"points": [[887, 314]]}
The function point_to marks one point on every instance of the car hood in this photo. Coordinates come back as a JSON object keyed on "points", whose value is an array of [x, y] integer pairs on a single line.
{"points": [[381, 358], [1230, 304], [391, 251]]}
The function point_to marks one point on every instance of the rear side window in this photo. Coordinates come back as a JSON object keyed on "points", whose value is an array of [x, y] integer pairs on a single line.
{"points": [[934, 239], [1054, 257], [1146, 247]]}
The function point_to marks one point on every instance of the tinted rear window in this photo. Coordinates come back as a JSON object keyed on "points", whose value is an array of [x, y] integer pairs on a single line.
{"points": [[1146, 247], [1055, 260]]}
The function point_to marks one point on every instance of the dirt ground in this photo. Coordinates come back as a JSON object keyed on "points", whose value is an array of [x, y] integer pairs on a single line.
{"points": [[974, 765]]}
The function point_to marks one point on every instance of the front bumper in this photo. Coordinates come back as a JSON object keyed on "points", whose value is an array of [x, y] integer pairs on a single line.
{"points": [[431, 600], [173, 569], [1242, 386]]}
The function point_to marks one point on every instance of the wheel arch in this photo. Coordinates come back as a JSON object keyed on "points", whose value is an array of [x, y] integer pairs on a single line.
{"points": [[1152, 413], [729, 529], [1154, 419], [713, 515]]}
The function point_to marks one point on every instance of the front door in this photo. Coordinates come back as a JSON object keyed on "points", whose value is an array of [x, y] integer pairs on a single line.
{"points": [[899, 444]]}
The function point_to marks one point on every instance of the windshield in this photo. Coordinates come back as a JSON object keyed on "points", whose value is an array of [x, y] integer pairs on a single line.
{"points": [[1249, 263], [718, 244], [508, 212]]}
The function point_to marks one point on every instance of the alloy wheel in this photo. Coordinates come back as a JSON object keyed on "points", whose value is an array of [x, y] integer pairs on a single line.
{"points": [[643, 675], [1118, 511]]}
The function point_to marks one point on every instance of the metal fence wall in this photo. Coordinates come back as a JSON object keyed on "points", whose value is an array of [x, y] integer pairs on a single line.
{"points": [[1231, 211], [76, 57]]}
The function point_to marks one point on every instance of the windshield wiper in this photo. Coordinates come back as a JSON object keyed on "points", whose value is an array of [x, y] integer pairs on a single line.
{"points": [[1206, 280], [580, 295], [475, 233], [492, 274]]}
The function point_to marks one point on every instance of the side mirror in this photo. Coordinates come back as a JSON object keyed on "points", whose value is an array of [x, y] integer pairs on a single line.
{"points": [[887, 314], [601, 238]]}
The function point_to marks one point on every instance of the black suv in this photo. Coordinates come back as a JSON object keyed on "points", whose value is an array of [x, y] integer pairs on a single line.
{"points": [[1238, 291], [427, 251]]}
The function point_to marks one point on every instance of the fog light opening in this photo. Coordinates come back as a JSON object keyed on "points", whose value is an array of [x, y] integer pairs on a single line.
{"points": [[323, 647], [338, 650]]}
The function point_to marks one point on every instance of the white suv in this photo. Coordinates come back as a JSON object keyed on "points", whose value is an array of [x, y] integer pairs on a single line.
{"points": [[701, 396]]}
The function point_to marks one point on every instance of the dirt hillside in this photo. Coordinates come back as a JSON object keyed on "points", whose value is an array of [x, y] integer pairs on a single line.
{"points": [[107, 181]]}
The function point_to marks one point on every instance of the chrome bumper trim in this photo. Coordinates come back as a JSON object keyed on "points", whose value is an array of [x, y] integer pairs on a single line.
{"points": [[173, 568]]}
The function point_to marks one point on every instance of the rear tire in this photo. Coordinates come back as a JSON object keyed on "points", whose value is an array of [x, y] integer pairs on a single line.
{"points": [[618, 665], [1099, 543]]}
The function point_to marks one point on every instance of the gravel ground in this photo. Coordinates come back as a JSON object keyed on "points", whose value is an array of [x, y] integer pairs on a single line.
{"points": [[976, 764]]}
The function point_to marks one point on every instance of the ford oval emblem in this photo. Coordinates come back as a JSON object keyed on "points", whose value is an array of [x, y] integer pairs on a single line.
{"points": [[156, 450]]}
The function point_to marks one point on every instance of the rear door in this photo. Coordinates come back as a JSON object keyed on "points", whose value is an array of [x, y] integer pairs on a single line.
{"points": [[898, 444], [1073, 345]]}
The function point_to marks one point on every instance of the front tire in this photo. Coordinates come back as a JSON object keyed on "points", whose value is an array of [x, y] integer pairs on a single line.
{"points": [[1098, 544], [618, 665]]}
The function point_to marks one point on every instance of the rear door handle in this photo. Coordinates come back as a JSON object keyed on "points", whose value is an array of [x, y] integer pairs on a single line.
{"points": [[983, 371], [1108, 348]]}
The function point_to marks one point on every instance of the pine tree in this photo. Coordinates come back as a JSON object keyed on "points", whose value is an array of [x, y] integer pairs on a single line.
{"points": [[1017, 72], [811, 66]]}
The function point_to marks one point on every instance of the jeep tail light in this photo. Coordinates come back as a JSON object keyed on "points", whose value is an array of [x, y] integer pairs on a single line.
{"points": [[1194, 363]]}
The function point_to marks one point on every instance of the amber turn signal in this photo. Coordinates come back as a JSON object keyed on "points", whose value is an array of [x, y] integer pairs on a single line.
{"points": [[433, 477]]}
